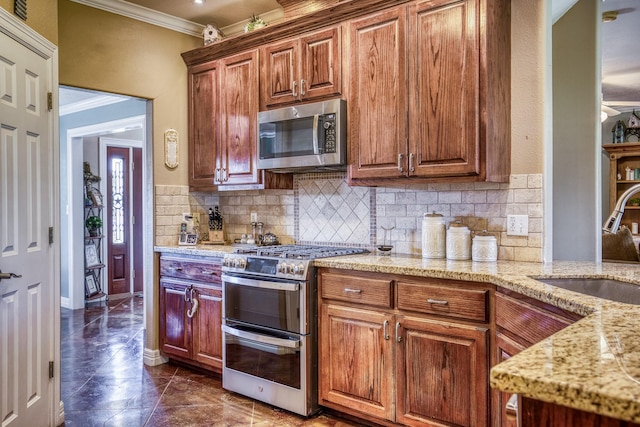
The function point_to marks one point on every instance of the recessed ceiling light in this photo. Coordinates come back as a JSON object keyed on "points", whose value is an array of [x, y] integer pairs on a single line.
{"points": [[198, 1], [609, 16]]}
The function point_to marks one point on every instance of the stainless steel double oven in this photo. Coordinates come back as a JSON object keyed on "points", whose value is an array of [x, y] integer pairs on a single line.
{"points": [[270, 325]]}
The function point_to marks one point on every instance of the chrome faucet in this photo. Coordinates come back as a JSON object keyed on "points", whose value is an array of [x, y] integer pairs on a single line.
{"points": [[612, 223]]}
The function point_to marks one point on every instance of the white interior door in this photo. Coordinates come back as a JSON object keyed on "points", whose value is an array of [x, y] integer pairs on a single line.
{"points": [[26, 212]]}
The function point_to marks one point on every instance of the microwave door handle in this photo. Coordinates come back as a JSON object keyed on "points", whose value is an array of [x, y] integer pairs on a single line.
{"points": [[316, 120], [280, 342], [264, 284]]}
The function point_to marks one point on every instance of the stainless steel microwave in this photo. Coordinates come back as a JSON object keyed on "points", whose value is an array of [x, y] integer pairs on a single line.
{"points": [[303, 137]]}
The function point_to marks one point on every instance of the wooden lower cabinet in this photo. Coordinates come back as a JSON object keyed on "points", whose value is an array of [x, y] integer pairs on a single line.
{"points": [[356, 363], [191, 311], [535, 413], [441, 373], [394, 366], [520, 323]]}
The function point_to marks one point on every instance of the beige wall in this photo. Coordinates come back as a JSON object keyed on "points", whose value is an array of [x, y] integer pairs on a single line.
{"points": [[527, 86], [112, 53], [41, 16]]}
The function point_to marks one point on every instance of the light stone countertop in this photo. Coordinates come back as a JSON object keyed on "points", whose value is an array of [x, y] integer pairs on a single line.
{"points": [[592, 365]]}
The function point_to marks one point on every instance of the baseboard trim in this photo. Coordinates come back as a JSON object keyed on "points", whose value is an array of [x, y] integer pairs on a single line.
{"points": [[64, 302], [153, 357]]}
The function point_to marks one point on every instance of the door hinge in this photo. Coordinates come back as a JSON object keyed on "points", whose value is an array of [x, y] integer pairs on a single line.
{"points": [[51, 235], [50, 101], [51, 369]]}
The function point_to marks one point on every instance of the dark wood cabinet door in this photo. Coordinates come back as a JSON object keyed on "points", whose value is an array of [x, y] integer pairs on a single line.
{"points": [[174, 323], [279, 70], [321, 65], [444, 88], [203, 125], [442, 373], [239, 109], [505, 348], [378, 102], [206, 327], [356, 363]]}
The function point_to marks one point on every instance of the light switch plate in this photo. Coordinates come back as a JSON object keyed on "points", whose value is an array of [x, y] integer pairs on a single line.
{"points": [[517, 225], [254, 217]]}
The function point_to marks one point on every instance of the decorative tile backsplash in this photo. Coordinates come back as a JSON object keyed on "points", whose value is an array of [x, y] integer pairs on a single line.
{"points": [[323, 209]]}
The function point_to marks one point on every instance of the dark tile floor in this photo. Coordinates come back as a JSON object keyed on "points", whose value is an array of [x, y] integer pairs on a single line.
{"points": [[105, 383]]}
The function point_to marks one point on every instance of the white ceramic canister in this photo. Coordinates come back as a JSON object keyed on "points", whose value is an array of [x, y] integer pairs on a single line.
{"points": [[484, 247], [458, 241], [433, 236]]}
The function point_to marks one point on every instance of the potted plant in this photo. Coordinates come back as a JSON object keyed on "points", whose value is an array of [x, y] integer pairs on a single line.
{"points": [[254, 23], [634, 202], [93, 223]]}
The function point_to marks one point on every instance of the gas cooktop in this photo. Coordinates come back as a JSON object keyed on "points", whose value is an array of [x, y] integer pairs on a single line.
{"points": [[299, 251]]}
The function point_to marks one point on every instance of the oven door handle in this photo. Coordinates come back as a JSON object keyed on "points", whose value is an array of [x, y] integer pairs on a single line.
{"points": [[261, 338], [243, 281]]}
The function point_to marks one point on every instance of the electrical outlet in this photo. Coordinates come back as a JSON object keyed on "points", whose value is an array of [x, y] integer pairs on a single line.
{"points": [[254, 217], [517, 225]]}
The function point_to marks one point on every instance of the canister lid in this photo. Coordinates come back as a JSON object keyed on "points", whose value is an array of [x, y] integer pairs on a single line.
{"points": [[457, 224], [485, 235], [432, 215]]}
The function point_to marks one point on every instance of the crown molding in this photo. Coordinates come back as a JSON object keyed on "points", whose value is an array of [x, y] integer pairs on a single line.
{"points": [[145, 14], [94, 102]]}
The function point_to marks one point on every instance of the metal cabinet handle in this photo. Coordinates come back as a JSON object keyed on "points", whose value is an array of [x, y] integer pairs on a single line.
{"points": [[9, 275], [511, 408], [177, 268], [302, 92], [208, 272], [385, 325], [398, 336], [438, 301], [225, 175], [352, 291], [294, 84], [193, 296], [411, 159], [217, 178], [187, 294], [400, 167]]}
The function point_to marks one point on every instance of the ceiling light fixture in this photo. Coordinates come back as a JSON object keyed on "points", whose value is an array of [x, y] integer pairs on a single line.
{"points": [[198, 1], [609, 16]]}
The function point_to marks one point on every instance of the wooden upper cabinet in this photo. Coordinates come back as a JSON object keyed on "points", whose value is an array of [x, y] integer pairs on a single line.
{"points": [[444, 132], [377, 103], [239, 109], [203, 128], [430, 93], [300, 69]]}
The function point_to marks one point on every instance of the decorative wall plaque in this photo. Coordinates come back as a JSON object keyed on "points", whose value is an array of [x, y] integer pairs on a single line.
{"points": [[171, 148]]}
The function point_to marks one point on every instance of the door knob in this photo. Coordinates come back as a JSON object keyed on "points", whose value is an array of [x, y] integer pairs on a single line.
{"points": [[8, 275]]}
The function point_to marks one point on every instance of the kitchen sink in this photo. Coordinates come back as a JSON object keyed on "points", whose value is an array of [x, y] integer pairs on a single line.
{"points": [[613, 290]]}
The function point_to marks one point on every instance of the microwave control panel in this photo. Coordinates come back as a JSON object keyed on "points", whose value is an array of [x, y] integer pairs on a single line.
{"points": [[329, 133]]}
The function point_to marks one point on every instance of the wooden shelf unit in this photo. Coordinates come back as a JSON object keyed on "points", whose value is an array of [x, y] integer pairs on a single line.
{"points": [[621, 156]]}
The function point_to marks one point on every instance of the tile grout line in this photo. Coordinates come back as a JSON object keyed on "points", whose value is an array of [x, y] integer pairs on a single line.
{"points": [[153, 411]]}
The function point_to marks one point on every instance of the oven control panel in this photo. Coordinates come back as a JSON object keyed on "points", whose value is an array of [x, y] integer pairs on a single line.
{"points": [[266, 266]]}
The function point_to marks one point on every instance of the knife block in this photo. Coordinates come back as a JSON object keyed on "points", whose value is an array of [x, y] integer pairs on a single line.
{"points": [[216, 237]]}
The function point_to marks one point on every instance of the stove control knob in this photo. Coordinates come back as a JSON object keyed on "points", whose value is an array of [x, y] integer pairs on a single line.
{"points": [[225, 262], [299, 269], [282, 268], [238, 263]]}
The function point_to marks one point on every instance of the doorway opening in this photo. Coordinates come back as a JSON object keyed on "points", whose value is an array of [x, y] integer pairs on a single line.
{"points": [[93, 126]]}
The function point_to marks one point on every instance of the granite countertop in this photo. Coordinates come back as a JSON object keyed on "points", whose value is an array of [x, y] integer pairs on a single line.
{"points": [[592, 365]]}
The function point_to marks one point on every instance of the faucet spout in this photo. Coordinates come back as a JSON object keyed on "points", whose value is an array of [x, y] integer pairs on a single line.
{"points": [[612, 223]]}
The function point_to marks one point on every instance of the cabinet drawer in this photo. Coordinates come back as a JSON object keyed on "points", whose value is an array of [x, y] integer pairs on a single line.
{"points": [[204, 270], [357, 289], [526, 321], [470, 304]]}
